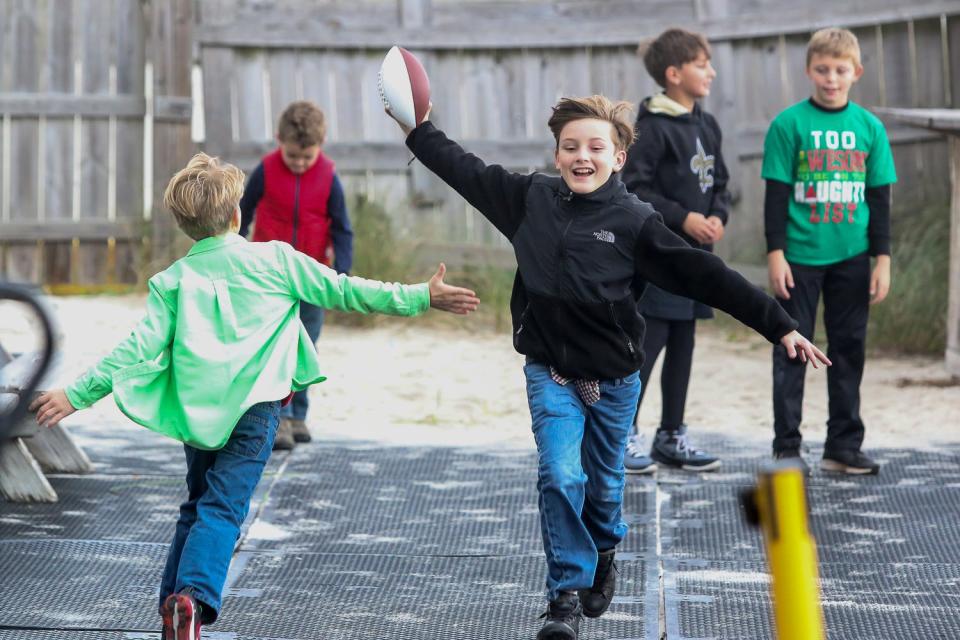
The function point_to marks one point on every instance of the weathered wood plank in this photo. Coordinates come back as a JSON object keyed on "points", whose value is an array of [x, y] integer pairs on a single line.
{"points": [[393, 156], [316, 84], [929, 64], [282, 72], [939, 119], [59, 105], [899, 76], [271, 30], [57, 262], [24, 171], [953, 53], [91, 229], [218, 101], [249, 99], [869, 90], [22, 263]]}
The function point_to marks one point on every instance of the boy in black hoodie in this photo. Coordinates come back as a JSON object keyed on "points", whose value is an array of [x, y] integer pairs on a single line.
{"points": [[585, 248], [677, 167]]}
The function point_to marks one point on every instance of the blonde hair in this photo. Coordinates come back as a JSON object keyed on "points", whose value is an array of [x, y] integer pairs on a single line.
{"points": [[836, 42], [303, 124], [203, 196], [600, 107]]}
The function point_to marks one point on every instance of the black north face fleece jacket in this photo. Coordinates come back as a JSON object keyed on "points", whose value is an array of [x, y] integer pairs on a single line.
{"points": [[583, 261]]}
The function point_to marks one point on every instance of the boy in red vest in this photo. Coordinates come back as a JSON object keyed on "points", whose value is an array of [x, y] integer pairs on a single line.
{"points": [[296, 197]]}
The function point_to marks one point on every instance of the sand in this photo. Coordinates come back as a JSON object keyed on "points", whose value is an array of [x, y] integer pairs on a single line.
{"points": [[413, 384]]}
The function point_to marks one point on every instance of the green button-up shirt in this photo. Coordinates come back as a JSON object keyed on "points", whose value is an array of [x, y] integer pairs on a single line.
{"points": [[223, 332]]}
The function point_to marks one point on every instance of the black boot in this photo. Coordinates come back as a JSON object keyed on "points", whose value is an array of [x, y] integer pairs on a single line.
{"points": [[563, 618], [597, 598]]}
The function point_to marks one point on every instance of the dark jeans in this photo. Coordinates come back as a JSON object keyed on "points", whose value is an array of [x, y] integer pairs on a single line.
{"points": [[219, 485], [846, 301], [312, 319], [678, 338]]}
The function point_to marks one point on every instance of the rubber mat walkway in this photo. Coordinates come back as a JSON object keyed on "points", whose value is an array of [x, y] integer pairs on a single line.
{"points": [[356, 543]]}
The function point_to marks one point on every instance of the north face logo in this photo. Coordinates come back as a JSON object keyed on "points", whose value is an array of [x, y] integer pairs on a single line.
{"points": [[604, 236]]}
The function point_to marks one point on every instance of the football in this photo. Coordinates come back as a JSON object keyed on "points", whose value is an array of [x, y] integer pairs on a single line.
{"points": [[404, 87]]}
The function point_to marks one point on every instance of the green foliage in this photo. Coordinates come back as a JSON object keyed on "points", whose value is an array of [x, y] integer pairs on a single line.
{"points": [[913, 317], [380, 255]]}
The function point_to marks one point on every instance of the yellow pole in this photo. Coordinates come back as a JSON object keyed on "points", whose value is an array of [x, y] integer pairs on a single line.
{"points": [[779, 506]]}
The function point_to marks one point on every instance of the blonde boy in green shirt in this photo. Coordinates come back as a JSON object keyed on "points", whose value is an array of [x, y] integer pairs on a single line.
{"points": [[221, 345]]}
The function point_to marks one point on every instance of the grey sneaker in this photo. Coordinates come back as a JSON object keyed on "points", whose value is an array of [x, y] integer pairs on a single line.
{"points": [[636, 460], [562, 618], [673, 449], [284, 440], [853, 463], [300, 431], [793, 453]]}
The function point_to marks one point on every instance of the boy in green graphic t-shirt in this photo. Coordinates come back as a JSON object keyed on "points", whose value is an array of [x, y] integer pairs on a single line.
{"points": [[828, 170]]}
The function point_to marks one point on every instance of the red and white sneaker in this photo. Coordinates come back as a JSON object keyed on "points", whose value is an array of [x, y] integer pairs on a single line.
{"points": [[181, 617]]}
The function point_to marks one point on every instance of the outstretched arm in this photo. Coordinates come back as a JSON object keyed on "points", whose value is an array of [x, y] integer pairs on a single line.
{"points": [[320, 285], [496, 193], [670, 263], [147, 341]]}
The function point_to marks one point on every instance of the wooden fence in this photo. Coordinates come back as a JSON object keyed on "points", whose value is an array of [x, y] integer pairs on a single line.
{"points": [[497, 67], [94, 103]]}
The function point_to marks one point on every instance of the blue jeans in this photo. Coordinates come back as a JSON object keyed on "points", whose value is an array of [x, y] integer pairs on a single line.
{"points": [[580, 473], [219, 485], [312, 319]]}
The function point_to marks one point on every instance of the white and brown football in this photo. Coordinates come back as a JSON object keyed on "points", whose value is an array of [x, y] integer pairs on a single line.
{"points": [[404, 87]]}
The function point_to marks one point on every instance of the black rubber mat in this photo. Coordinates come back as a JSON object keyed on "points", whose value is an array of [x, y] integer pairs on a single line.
{"points": [[731, 600], [71, 584], [371, 597], [136, 509], [873, 522], [361, 542], [436, 507], [23, 634]]}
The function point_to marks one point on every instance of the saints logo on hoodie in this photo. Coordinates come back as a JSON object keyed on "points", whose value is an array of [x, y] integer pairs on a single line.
{"points": [[702, 165]]}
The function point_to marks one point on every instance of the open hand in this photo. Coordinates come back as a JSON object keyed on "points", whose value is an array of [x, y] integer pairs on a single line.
{"points": [[797, 345], [781, 277], [52, 407], [449, 298]]}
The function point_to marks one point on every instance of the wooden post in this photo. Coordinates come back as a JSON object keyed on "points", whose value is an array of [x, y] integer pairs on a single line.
{"points": [[953, 306]]}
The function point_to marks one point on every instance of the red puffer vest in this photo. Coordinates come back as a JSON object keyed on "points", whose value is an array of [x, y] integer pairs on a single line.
{"points": [[294, 207]]}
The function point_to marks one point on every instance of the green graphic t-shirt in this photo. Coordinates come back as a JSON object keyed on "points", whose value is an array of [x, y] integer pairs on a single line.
{"points": [[830, 158]]}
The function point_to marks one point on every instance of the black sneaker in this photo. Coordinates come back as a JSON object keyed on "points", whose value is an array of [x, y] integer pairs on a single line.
{"points": [[563, 618], [597, 598], [791, 454], [853, 463], [672, 449]]}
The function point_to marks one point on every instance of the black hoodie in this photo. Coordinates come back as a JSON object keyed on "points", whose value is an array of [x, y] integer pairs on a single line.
{"points": [[677, 166], [583, 260]]}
